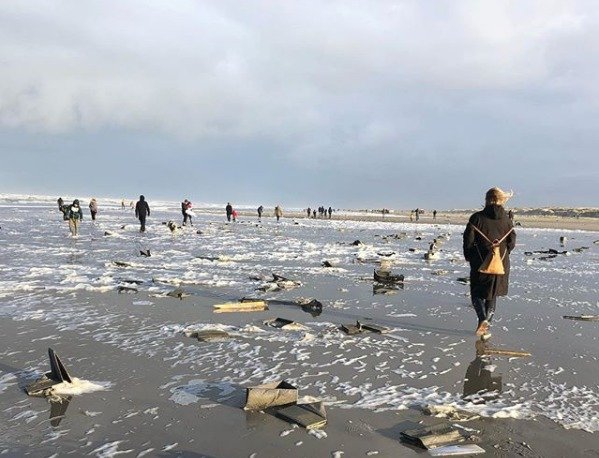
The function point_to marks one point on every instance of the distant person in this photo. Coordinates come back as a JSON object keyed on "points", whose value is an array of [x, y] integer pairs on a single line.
{"points": [[489, 230], [188, 213], [229, 210], [411, 215], [278, 212], [309, 210], [123, 204], [417, 214], [93, 208], [234, 215], [74, 215], [510, 215], [330, 212], [314, 214], [60, 203], [434, 215], [142, 211], [260, 211]]}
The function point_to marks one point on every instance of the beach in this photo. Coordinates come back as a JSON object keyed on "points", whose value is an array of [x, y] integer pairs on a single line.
{"points": [[105, 310]]}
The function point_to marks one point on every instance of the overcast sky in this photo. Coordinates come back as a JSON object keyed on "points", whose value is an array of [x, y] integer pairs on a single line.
{"points": [[350, 104]]}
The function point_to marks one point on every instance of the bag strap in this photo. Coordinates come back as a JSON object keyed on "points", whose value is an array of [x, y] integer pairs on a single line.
{"points": [[493, 243]]}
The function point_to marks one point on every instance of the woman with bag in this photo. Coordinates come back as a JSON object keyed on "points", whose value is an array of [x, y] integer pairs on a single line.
{"points": [[489, 239]]}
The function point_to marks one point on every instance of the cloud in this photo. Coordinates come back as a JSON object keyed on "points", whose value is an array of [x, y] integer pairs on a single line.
{"points": [[322, 83]]}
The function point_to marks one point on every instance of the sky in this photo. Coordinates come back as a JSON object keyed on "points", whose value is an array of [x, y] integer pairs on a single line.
{"points": [[353, 104]]}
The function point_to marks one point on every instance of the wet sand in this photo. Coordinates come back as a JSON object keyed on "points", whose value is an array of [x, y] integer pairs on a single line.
{"points": [[171, 395]]}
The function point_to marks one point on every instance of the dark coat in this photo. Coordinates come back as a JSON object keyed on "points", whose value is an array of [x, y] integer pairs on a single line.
{"points": [[142, 209], [494, 223], [229, 209]]}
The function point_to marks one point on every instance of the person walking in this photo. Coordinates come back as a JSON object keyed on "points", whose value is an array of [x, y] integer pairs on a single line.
{"points": [[142, 211], [417, 214], [260, 210], [60, 203], [74, 215], [434, 215], [278, 212], [309, 210], [93, 208], [234, 216], [488, 240], [330, 212], [229, 210], [184, 211]]}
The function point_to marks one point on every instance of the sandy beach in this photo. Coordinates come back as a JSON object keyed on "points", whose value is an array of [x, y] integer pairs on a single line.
{"points": [[166, 394]]}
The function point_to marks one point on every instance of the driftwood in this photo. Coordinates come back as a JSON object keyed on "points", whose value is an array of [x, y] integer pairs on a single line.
{"points": [[582, 317]]}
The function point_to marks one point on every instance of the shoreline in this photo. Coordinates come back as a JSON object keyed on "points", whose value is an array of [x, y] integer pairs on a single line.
{"points": [[524, 221]]}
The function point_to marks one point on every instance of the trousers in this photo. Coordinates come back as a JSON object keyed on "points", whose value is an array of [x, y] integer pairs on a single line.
{"points": [[485, 308]]}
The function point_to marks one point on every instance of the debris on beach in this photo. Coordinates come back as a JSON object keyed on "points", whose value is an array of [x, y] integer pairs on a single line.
{"points": [[352, 329], [440, 272], [283, 323], [463, 280], [271, 394], [386, 288], [582, 317], [434, 436], [357, 328], [456, 450], [126, 289], [121, 264], [145, 253], [431, 255], [356, 243], [450, 412], [256, 306], [58, 374], [178, 293], [484, 350], [385, 276], [209, 335], [309, 416], [276, 283]]}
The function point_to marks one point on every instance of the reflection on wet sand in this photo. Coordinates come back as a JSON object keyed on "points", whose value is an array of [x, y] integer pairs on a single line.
{"points": [[58, 409], [480, 378]]}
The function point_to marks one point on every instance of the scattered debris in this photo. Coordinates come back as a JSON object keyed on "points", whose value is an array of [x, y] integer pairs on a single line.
{"points": [[121, 264], [327, 264], [256, 306], [356, 243], [178, 293], [463, 280], [483, 350], [374, 328], [433, 436], [440, 272], [431, 255], [311, 306], [108, 233], [352, 329], [582, 317], [386, 288], [450, 412], [359, 327], [455, 450], [270, 395], [310, 416], [145, 253], [283, 323], [276, 283], [209, 335], [58, 374], [384, 276], [126, 289]]}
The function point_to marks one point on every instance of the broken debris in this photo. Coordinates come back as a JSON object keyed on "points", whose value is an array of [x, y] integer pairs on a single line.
{"points": [[582, 317], [270, 395], [310, 416], [255, 306], [433, 436], [283, 323], [58, 374]]}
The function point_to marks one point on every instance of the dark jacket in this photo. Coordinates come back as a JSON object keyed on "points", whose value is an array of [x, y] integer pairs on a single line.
{"points": [[494, 223], [74, 211], [142, 209], [229, 209]]}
